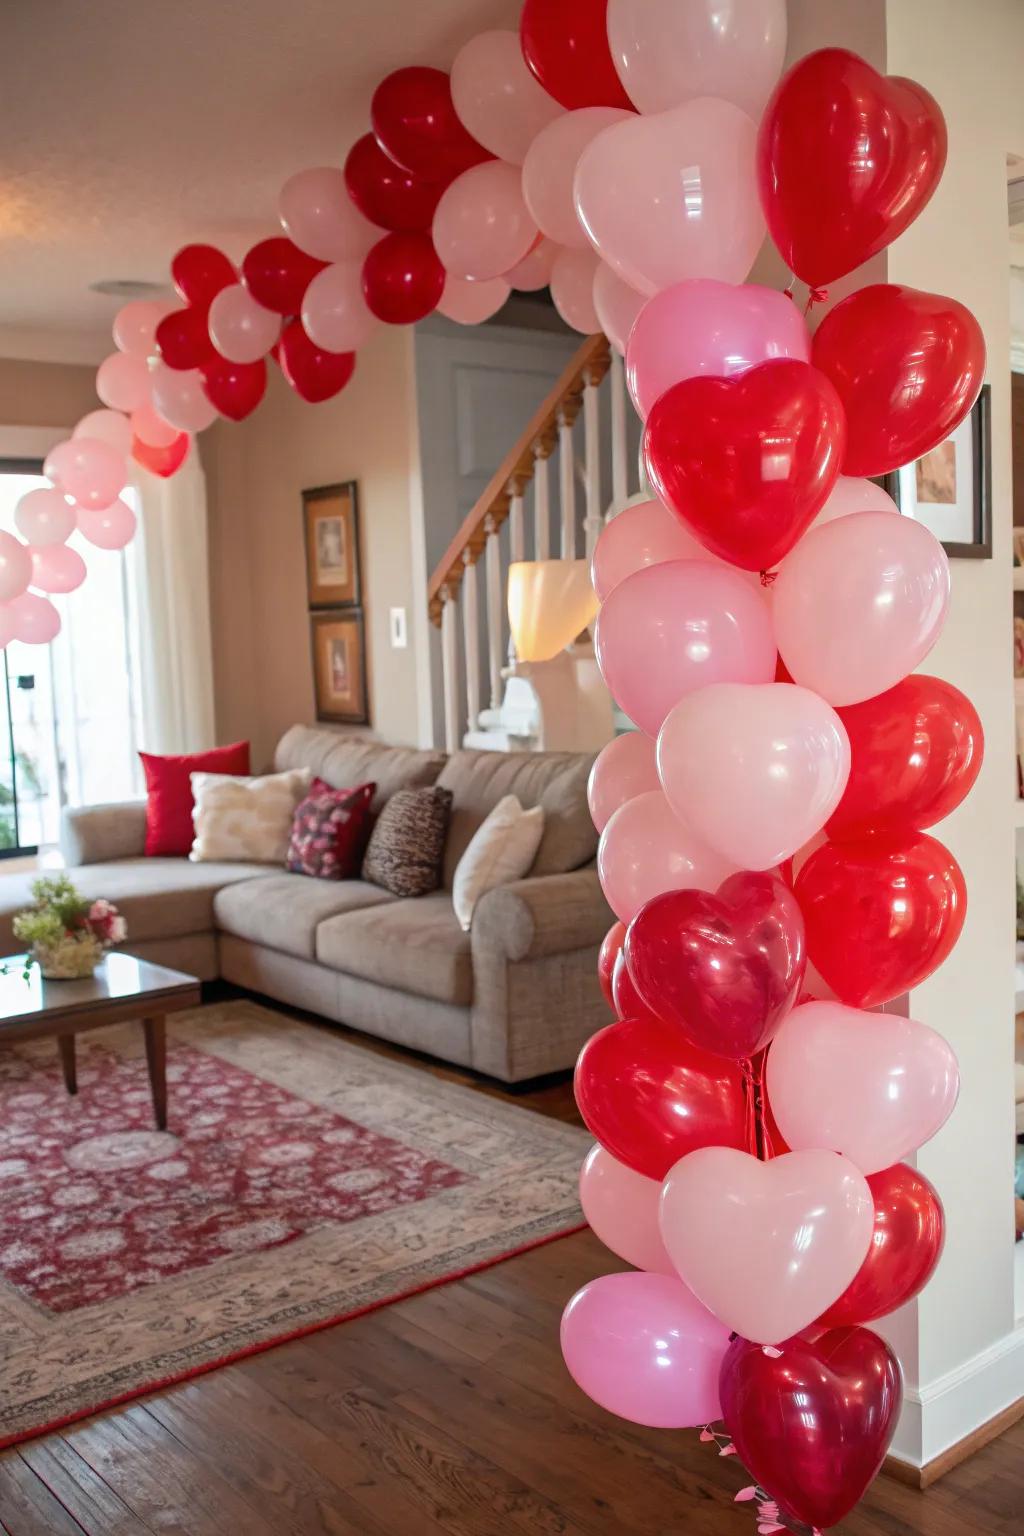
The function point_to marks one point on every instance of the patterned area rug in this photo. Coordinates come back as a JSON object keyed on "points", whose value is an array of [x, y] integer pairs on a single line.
{"points": [[301, 1181]]}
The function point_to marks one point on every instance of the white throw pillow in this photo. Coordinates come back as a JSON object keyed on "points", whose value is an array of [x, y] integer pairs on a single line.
{"points": [[501, 850], [245, 819]]}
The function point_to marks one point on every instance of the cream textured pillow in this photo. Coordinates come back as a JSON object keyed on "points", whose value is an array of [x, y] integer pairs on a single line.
{"points": [[245, 819], [502, 849]]}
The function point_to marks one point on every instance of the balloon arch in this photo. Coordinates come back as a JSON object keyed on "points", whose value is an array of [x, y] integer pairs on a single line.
{"points": [[764, 834]]}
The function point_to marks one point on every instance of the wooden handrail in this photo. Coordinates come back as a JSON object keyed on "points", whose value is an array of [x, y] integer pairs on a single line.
{"points": [[588, 366]]}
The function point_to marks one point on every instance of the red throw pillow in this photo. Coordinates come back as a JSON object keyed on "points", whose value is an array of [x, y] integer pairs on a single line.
{"points": [[169, 802], [330, 830]]}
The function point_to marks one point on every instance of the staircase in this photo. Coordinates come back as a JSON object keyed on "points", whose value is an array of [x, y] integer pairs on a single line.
{"points": [[487, 703]]}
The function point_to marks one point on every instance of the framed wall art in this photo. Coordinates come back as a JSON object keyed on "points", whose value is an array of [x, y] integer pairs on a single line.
{"points": [[331, 519], [950, 488], [339, 666]]}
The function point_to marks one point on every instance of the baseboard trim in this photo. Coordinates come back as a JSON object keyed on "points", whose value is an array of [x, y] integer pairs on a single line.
{"points": [[924, 1477]]}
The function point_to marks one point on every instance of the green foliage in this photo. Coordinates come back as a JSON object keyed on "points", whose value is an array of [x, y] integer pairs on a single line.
{"points": [[57, 909]]}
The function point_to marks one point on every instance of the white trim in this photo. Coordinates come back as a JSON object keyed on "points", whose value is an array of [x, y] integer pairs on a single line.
{"points": [[947, 1410], [29, 442]]}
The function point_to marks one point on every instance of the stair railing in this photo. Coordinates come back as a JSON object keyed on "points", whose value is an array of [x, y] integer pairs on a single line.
{"points": [[454, 592]]}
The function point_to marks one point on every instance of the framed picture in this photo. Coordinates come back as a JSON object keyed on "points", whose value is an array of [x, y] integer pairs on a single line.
{"points": [[339, 667], [331, 517], [950, 488]]}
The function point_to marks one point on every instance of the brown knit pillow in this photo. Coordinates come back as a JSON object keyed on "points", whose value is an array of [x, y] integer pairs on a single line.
{"points": [[405, 854]]}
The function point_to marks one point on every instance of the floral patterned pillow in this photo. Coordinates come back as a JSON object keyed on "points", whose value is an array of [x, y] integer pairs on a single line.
{"points": [[330, 831]]}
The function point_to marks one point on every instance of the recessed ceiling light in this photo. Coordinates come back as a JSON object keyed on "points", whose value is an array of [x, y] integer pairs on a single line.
{"points": [[127, 288]]}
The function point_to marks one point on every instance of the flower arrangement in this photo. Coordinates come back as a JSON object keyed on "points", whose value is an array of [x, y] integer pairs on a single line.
{"points": [[66, 934]]}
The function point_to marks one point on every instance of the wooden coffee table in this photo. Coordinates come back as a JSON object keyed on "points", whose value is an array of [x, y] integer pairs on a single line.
{"points": [[122, 989]]}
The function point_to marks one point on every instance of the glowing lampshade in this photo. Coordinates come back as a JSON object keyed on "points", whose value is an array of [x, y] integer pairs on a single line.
{"points": [[549, 603]]}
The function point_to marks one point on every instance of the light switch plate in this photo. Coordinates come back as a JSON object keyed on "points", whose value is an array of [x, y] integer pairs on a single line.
{"points": [[399, 632]]}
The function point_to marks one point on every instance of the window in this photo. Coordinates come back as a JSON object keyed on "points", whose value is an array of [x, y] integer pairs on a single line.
{"points": [[71, 707]]}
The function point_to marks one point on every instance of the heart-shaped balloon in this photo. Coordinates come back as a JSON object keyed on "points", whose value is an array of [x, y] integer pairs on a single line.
{"points": [[607, 955], [881, 913], [915, 752], [813, 1423], [183, 339], [846, 160], [236, 389], [626, 999], [673, 195], [162, 461], [872, 1086], [747, 463], [859, 604], [645, 849], [908, 366], [723, 969], [910, 1230], [277, 274], [766, 1246], [314, 374], [650, 1098], [756, 770]]}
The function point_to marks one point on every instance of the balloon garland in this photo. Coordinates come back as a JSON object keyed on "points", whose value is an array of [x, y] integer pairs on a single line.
{"points": [[764, 835]]}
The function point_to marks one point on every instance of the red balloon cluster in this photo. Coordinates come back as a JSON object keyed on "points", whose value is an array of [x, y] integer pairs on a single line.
{"points": [[198, 272]]}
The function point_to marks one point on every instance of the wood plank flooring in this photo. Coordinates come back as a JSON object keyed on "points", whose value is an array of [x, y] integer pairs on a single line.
{"points": [[447, 1415]]}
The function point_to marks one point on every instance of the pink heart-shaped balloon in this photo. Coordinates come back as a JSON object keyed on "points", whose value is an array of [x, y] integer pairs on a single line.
{"points": [[869, 1085], [766, 1246], [723, 969], [754, 769]]}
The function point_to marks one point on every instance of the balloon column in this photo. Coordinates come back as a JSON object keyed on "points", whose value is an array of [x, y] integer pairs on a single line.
{"points": [[761, 620]]}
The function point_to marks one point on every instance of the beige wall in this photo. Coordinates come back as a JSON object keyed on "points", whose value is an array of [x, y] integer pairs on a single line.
{"points": [[45, 394], [256, 473]]}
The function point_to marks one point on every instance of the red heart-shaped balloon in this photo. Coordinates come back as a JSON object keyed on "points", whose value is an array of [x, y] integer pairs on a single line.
{"points": [[747, 462], [915, 752], [607, 956], [881, 913], [387, 195], [277, 274], [846, 160], [199, 272], [813, 1420], [236, 389], [908, 367], [403, 280], [314, 374], [650, 1098], [910, 1230], [162, 461], [725, 969], [183, 339]]}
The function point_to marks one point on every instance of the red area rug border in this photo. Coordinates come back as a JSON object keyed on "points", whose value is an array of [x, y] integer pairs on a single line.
{"points": [[162, 1383]]}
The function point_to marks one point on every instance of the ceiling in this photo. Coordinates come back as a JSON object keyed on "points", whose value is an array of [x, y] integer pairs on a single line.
{"points": [[128, 127]]}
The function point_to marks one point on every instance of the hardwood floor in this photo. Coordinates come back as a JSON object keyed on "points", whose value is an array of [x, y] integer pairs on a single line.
{"points": [[447, 1415]]}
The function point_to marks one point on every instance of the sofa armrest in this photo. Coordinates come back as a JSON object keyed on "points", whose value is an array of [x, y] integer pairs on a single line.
{"points": [[546, 915], [96, 834]]}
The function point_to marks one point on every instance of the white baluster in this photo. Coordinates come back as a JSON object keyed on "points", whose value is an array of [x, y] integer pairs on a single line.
{"points": [[471, 638], [620, 448], [516, 538], [450, 669], [495, 607], [541, 501], [594, 521], [567, 481]]}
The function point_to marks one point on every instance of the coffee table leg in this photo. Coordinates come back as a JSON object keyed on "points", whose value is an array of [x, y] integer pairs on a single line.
{"points": [[156, 1059], [67, 1059]]}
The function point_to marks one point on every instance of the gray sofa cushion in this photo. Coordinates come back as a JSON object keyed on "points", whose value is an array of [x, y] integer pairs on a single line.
{"points": [[283, 911], [555, 780], [415, 945], [159, 898], [344, 761]]}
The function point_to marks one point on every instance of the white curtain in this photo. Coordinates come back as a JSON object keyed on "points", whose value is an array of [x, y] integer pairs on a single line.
{"points": [[168, 565]]}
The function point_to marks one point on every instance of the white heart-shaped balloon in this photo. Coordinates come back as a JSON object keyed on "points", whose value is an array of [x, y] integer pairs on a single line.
{"points": [[755, 769], [674, 195], [766, 1246], [870, 1085]]}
